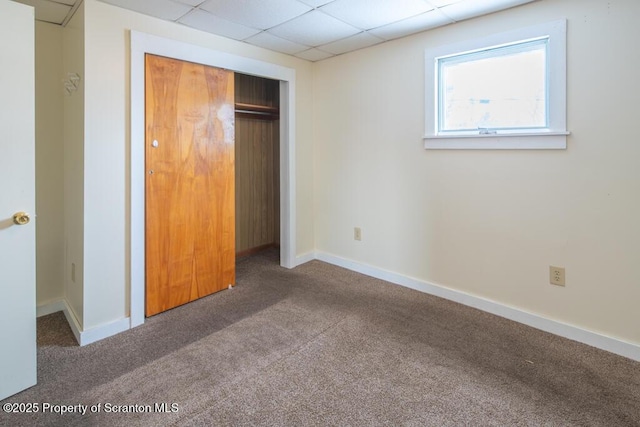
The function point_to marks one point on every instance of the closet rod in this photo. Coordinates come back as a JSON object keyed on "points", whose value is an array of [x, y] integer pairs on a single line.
{"points": [[259, 111], [254, 107]]}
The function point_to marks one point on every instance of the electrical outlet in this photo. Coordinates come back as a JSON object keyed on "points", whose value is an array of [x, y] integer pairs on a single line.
{"points": [[73, 272], [556, 275], [357, 233]]}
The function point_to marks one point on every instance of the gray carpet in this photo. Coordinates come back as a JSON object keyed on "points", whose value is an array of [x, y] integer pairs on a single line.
{"points": [[320, 345]]}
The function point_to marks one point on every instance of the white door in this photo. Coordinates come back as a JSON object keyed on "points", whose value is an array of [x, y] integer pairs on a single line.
{"points": [[17, 194]]}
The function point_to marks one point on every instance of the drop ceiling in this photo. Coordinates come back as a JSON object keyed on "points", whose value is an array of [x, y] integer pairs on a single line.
{"points": [[308, 29]]}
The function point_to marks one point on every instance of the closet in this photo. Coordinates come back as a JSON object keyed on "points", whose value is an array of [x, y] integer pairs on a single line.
{"points": [[212, 177], [257, 143]]}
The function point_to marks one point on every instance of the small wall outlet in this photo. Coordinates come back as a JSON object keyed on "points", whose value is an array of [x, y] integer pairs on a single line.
{"points": [[357, 233], [556, 275], [73, 272]]}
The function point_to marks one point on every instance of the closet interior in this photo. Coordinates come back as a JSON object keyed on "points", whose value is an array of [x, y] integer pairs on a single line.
{"points": [[257, 164]]}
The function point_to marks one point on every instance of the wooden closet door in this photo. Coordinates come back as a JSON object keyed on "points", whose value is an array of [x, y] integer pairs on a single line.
{"points": [[190, 195]]}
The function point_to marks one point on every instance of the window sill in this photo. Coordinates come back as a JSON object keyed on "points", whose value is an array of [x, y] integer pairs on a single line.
{"points": [[510, 141]]}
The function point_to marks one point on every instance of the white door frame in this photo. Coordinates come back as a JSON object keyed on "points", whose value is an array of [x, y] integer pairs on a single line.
{"points": [[142, 43]]}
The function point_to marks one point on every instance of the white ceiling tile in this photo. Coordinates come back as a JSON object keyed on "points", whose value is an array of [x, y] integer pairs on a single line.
{"points": [[313, 29], [316, 3], [472, 8], [269, 41], [191, 2], [67, 2], [314, 55], [260, 14], [48, 11], [163, 9], [367, 14], [416, 24], [441, 3], [349, 44], [292, 26], [205, 21]]}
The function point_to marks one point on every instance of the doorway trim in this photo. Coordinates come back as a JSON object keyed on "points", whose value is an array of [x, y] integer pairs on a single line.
{"points": [[142, 43]]}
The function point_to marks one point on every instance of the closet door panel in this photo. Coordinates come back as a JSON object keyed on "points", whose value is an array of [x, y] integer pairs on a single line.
{"points": [[190, 182]]}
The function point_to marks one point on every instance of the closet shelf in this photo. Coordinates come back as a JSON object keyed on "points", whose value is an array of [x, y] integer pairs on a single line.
{"points": [[263, 112]]}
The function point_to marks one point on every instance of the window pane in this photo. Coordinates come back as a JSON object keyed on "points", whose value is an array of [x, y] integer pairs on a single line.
{"points": [[501, 88]]}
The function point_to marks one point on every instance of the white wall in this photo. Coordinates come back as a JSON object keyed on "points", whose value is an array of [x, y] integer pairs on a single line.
{"points": [[107, 147], [489, 223], [49, 163], [73, 130]]}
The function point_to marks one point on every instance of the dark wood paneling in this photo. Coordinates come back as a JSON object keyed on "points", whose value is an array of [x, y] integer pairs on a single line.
{"points": [[257, 165]]}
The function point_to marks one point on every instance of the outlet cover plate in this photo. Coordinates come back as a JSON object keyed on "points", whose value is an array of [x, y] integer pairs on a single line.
{"points": [[357, 233], [556, 275]]}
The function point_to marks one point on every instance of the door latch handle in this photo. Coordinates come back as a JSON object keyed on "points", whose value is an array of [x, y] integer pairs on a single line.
{"points": [[21, 218]]}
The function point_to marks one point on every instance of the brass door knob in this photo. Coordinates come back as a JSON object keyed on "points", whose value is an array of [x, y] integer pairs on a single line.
{"points": [[21, 218]]}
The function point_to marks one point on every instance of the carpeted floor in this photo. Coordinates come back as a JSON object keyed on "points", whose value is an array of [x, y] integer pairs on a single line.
{"points": [[320, 345]]}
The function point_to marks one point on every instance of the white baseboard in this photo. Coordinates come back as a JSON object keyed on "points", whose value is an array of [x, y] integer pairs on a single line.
{"points": [[603, 342], [304, 258], [74, 324], [106, 330], [613, 345], [51, 307], [83, 337], [61, 305]]}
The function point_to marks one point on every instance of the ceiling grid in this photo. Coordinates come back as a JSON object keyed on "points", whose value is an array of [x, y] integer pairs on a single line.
{"points": [[308, 29]]}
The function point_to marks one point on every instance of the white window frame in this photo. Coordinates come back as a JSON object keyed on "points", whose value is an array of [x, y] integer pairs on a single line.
{"points": [[552, 137]]}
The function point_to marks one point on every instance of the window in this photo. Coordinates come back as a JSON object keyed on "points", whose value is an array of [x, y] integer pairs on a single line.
{"points": [[495, 89], [503, 91]]}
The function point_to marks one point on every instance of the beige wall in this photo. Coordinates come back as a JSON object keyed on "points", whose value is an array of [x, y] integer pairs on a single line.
{"points": [[489, 223], [107, 145], [73, 62], [49, 163]]}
